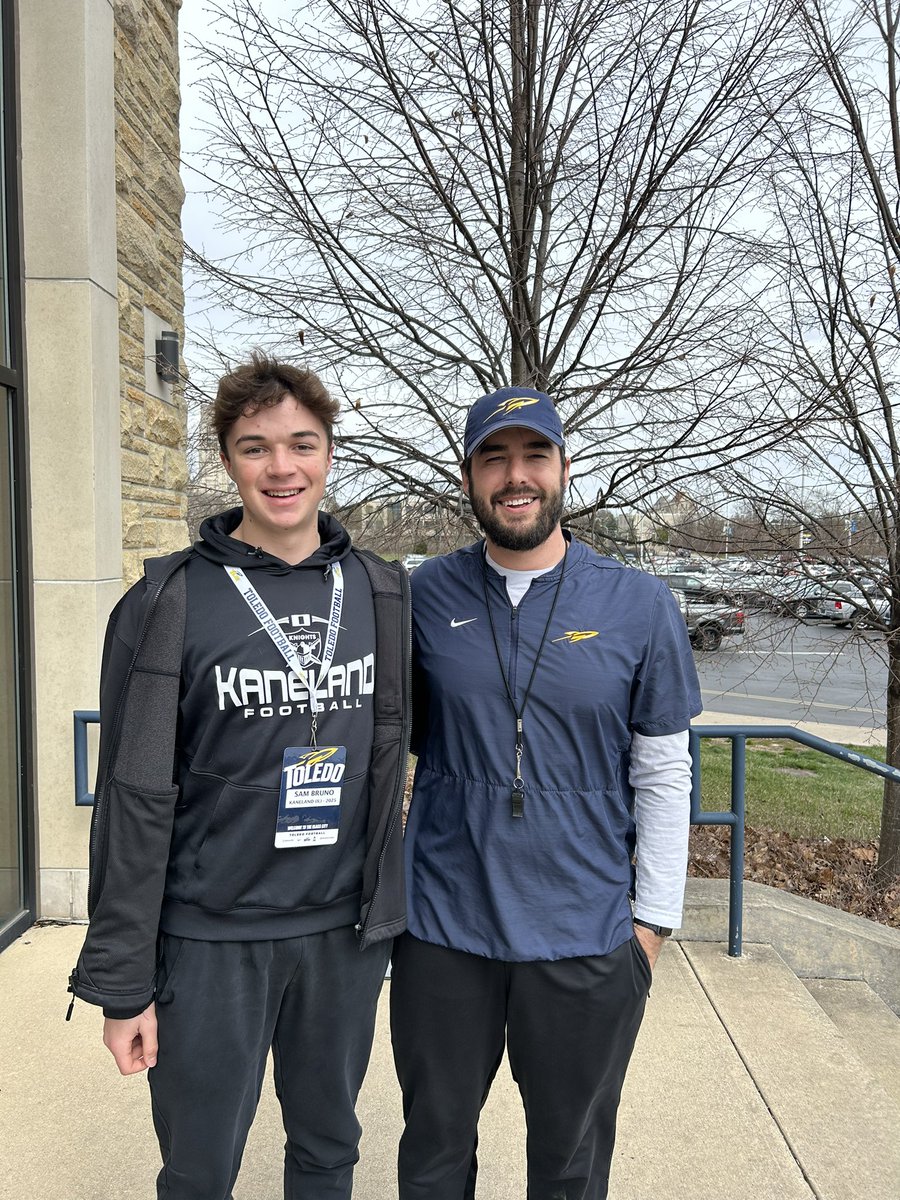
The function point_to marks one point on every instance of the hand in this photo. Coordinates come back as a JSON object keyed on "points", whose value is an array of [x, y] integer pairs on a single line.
{"points": [[651, 942], [132, 1042]]}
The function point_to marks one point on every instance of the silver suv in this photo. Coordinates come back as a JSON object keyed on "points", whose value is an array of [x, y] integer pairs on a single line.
{"points": [[847, 604]]}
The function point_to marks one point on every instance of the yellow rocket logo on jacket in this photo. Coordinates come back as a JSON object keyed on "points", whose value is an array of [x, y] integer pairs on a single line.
{"points": [[577, 635]]}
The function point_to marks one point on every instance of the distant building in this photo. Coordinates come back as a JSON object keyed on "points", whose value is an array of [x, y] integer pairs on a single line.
{"points": [[675, 510], [398, 525]]}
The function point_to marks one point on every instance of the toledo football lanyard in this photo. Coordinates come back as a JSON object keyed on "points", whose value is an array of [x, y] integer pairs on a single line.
{"points": [[518, 788], [258, 607]]}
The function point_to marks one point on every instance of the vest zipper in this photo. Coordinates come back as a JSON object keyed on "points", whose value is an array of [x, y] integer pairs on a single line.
{"points": [[403, 765]]}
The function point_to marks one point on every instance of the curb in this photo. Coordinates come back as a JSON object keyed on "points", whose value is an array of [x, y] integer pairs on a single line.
{"points": [[815, 940]]}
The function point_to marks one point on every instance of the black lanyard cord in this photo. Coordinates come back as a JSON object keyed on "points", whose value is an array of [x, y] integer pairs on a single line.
{"points": [[518, 788]]}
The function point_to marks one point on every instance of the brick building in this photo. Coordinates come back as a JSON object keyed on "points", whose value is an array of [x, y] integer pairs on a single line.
{"points": [[92, 461]]}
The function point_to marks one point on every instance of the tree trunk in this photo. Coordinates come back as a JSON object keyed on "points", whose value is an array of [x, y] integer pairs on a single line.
{"points": [[523, 34], [888, 868], [518, 140]]}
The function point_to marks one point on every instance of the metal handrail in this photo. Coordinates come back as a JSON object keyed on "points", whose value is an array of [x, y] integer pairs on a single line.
{"points": [[84, 797], [735, 819], [738, 735]]}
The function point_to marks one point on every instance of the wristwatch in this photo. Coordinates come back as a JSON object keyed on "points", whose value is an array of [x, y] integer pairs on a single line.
{"points": [[659, 930]]}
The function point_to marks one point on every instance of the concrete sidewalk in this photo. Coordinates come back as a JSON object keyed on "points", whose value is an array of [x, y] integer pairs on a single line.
{"points": [[854, 735], [741, 1088]]}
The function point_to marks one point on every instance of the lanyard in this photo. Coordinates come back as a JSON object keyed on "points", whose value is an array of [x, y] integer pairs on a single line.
{"points": [[258, 607], [517, 795]]}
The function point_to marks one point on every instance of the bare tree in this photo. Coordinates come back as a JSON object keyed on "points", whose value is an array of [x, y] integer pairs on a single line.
{"points": [[440, 199], [833, 306], [209, 488]]}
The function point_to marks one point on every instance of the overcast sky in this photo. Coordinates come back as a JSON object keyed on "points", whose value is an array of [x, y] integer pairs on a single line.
{"points": [[194, 22]]}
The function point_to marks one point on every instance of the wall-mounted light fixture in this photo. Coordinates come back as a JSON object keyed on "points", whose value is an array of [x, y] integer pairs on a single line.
{"points": [[167, 355]]}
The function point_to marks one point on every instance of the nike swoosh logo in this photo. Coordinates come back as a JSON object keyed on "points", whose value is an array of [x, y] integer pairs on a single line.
{"points": [[454, 624]]}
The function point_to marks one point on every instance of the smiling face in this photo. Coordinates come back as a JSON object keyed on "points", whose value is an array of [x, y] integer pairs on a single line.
{"points": [[279, 458], [515, 483]]}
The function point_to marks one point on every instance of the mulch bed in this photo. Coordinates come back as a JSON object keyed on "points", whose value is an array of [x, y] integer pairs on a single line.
{"points": [[834, 871]]}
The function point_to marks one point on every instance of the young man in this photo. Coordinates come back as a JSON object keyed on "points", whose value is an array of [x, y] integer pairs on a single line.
{"points": [[554, 689], [246, 860]]}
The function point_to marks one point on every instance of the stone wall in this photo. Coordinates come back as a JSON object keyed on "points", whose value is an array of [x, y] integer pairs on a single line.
{"points": [[149, 196]]}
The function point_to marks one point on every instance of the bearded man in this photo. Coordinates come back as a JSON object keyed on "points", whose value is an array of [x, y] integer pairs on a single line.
{"points": [[546, 848]]}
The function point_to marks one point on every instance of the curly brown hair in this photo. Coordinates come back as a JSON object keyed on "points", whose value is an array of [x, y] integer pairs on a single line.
{"points": [[264, 382]]}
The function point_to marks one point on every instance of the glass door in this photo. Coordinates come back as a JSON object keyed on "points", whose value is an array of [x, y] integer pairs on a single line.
{"points": [[12, 891], [17, 857]]}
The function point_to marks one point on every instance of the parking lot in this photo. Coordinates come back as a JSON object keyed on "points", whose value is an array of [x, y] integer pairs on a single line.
{"points": [[797, 671]]}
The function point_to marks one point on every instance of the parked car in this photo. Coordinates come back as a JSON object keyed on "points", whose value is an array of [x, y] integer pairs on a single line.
{"points": [[414, 560], [708, 589], [753, 591], [707, 624], [848, 605], [799, 597]]}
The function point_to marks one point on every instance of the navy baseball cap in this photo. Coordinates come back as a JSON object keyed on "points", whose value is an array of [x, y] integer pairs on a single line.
{"points": [[520, 406]]}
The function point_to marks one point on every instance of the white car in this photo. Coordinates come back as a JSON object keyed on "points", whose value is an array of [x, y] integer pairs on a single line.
{"points": [[414, 560]]}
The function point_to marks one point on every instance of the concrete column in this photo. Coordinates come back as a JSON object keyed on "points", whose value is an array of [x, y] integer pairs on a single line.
{"points": [[71, 336]]}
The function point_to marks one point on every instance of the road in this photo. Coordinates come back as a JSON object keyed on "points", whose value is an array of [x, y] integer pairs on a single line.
{"points": [[797, 671]]}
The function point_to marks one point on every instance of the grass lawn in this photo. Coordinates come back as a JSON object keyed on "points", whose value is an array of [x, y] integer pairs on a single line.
{"points": [[798, 790]]}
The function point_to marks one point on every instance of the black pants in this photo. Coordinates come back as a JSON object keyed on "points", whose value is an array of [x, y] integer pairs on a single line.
{"points": [[570, 1027], [220, 1007]]}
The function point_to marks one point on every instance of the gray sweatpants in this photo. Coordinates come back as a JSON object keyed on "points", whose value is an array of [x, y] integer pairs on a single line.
{"points": [[220, 1007]]}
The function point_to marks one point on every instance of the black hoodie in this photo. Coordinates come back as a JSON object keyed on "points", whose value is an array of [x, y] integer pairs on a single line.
{"points": [[241, 706], [189, 846]]}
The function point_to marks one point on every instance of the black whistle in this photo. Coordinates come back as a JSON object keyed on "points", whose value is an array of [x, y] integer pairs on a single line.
{"points": [[518, 802]]}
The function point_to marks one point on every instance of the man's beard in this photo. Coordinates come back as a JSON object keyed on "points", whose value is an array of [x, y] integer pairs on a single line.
{"points": [[529, 537]]}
